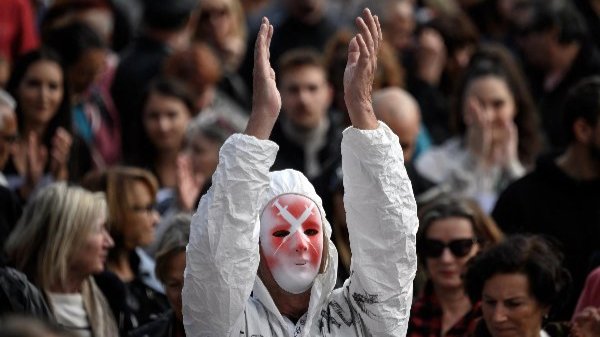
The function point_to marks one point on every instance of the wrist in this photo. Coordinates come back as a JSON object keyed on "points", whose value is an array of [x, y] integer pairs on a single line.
{"points": [[363, 117]]}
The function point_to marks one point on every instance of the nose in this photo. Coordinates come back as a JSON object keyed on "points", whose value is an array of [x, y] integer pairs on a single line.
{"points": [[163, 123], [301, 242], [108, 240], [155, 217], [447, 255], [499, 314]]}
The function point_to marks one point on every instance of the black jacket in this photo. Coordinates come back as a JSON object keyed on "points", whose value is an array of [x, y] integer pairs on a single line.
{"points": [[19, 296], [548, 201]]}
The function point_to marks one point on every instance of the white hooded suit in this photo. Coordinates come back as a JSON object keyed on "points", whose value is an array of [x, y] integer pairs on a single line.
{"points": [[222, 294]]}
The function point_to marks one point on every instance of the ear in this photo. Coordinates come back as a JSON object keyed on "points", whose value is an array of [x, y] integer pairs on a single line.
{"points": [[583, 131]]}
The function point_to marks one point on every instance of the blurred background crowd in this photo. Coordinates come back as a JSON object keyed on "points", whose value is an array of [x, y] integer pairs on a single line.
{"points": [[112, 113]]}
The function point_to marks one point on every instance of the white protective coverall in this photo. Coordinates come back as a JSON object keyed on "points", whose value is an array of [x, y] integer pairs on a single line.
{"points": [[222, 294]]}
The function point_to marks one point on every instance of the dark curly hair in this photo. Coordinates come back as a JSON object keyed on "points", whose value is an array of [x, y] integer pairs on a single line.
{"points": [[537, 258]]}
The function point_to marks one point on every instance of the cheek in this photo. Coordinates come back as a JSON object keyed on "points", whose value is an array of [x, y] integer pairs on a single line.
{"points": [[316, 254]]}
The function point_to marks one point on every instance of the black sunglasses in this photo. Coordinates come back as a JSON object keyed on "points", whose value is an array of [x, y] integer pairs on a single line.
{"points": [[458, 248]]}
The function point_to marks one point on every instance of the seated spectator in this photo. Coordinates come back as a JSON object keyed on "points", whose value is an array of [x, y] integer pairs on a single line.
{"points": [[521, 283], [496, 137], [203, 140], [560, 197], [129, 283], [222, 25], [170, 265], [15, 326], [553, 38], [165, 29], [168, 109], [199, 68], [11, 207], [400, 111], [46, 149], [59, 242], [443, 49], [451, 232], [95, 118]]}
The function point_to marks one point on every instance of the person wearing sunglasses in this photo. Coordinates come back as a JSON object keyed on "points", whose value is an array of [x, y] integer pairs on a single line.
{"points": [[452, 230]]}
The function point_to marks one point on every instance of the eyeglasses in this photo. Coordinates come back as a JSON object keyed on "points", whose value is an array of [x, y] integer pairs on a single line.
{"points": [[146, 209], [458, 248]]}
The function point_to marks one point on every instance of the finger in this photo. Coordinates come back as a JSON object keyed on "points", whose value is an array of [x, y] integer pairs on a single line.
{"points": [[379, 32], [259, 50], [366, 34], [270, 36], [370, 21], [364, 50]]}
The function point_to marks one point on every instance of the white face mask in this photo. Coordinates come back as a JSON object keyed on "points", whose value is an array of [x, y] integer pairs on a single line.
{"points": [[292, 241]]}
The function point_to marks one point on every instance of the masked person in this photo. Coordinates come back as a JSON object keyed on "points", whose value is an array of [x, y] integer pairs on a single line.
{"points": [[260, 261]]}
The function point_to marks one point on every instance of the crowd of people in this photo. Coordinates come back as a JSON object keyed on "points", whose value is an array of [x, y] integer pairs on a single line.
{"points": [[163, 162]]}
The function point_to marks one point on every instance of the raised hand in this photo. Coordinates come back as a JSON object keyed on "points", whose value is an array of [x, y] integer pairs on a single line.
{"points": [[59, 154], [478, 119], [505, 150], [360, 71], [587, 323], [189, 183], [266, 100]]}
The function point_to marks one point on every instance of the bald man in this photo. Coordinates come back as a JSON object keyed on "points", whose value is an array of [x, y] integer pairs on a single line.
{"points": [[400, 111]]}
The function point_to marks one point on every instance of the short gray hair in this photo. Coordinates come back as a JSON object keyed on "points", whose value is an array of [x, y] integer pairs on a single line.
{"points": [[174, 240]]}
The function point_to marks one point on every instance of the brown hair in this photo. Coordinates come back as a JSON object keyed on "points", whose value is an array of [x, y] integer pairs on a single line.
{"points": [[116, 183], [484, 227], [300, 57], [496, 60]]}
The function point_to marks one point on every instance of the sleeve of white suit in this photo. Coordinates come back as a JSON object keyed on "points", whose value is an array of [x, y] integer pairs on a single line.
{"points": [[222, 254], [382, 223]]}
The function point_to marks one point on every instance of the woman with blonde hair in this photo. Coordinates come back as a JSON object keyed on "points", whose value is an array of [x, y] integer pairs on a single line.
{"points": [[135, 293], [59, 243]]}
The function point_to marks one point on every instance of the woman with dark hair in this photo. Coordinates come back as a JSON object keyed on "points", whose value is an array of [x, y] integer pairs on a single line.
{"points": [[495, 123], [452, 230], [46, 149], [520, 282], [168, 109], [95, 118]]}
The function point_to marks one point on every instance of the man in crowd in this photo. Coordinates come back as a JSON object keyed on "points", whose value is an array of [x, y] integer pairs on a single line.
{"points": [[561, 196], [554, 40], [400, 111], [260, 262]]}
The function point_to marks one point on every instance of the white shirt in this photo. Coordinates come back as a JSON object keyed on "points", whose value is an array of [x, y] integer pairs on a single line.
{"points": [[70, 314]]}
